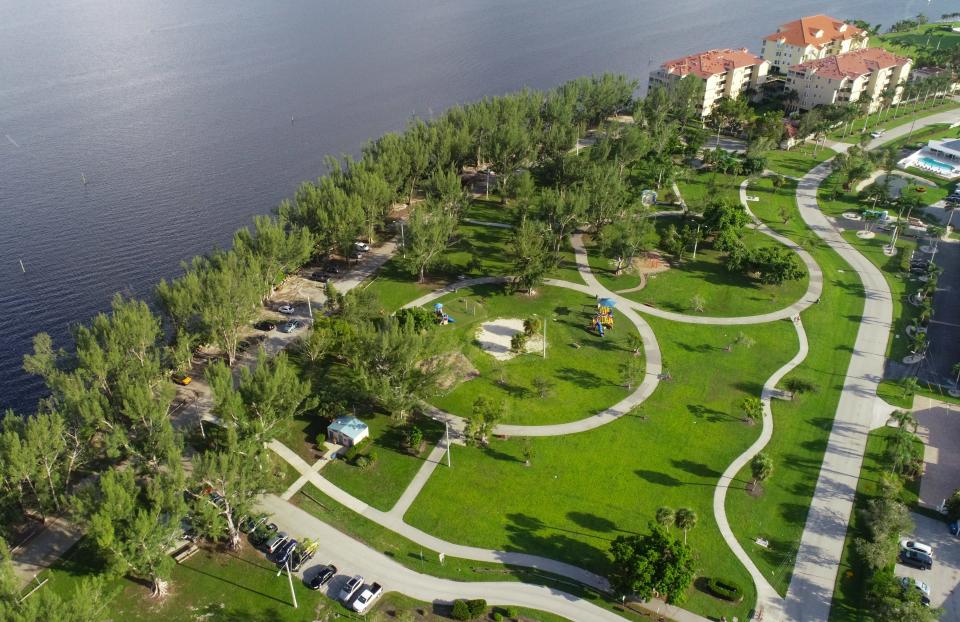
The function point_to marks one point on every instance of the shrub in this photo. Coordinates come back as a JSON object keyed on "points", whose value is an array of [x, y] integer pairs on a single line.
{"points": [[725, 589], [461, 611], [798, 386], [531, 326], [512, 612], [497, 616], [352, 452], [518, 342], [413, 438], [477, 607]]}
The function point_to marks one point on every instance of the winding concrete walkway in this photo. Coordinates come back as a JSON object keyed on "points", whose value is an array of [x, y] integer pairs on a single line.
{"points": [[810, 594], [769, 602], [810, 296], [651, 352], [354, 557], [400, 578]]}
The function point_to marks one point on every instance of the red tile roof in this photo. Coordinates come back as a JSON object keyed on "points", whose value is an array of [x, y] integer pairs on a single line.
{"points": [[712, 62], [804, 31], [852, 64]]}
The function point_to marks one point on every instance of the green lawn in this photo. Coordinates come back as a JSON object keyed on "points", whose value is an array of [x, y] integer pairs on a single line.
{"points": [[901, 286], [929, 37], [227, 587], [887, 119], [801, 427], [850, 591], [477, 251], [924, 134], [725, 293], [382, 483], [798, 161], [587, 379], [892, 392], [582, 490], [700, 187], [424, 560], [210, 586]]}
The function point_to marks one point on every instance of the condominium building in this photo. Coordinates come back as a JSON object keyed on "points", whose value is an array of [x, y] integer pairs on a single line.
{"points": [[864, 75], [725, 73], [810, 38]]}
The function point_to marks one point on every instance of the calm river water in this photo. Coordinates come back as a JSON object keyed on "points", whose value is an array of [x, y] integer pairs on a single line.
{"points": [[178, 114]]}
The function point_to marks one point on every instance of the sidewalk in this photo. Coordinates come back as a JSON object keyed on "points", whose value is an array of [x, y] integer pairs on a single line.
{"points": [[353, 557]]}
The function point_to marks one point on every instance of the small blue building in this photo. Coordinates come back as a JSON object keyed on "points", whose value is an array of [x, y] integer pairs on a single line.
{"points": [[347, 431]]}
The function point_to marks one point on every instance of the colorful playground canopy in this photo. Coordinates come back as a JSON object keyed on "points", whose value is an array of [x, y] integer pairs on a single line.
{"points": [[607, 302], [438, 306]]}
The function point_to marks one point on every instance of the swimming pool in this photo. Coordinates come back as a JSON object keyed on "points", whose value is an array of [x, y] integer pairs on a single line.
{"points": [[938, 165]]}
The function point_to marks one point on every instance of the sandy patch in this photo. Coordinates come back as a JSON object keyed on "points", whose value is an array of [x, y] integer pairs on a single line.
{"points": [[456, 369], [651, 263], [494, 338]]}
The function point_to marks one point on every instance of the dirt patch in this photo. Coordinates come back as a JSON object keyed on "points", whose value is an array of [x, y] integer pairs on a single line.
{"points": [[648, 263], [494, 338], [457, 369]]}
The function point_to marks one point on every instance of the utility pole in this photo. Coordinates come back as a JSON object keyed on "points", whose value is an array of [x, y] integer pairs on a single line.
{"points": [[293, 594], [446, 432], [696, 241], [544, 336], [309, 310], [403, 244]]}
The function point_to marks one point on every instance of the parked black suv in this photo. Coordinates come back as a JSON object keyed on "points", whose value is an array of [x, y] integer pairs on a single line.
{"points": [[916, 559]]}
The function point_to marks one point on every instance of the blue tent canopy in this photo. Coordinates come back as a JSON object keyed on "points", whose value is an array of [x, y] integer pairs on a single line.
{"points": [[607, 302], [438, 306]]}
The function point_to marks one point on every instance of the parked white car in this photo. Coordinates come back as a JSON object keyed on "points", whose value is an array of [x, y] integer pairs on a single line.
{"points": [[363, 247], [913, 545], [917, 583], [287, 309], [369, 594]]}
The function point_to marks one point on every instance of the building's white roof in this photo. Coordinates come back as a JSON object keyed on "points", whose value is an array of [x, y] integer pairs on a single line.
{"points": [[950, 146]]}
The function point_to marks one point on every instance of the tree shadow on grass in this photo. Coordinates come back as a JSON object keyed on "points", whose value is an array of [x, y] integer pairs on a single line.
{"points": [[658, 478], [524, 533], [592, 521], [214, 612], [753, 388], [702, 348], [490, 452], [710, 414], [236, 585], [695, 468], [580, 377]]}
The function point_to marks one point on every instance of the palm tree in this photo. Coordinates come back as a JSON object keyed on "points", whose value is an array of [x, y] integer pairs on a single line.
{"points": [[665, 516], [686, 519], [905, 420], [761, 467]]}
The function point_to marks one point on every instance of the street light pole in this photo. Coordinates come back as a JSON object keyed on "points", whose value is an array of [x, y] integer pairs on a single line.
{"points": [[446, 432], [293, 594]]}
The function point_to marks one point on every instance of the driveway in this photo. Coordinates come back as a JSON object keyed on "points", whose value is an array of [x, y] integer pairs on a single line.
{"points": [[943, 334], [944, 577], [940, 433]]}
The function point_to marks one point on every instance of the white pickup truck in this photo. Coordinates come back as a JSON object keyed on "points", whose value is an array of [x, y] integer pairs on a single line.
{"points": [[368, 594]]}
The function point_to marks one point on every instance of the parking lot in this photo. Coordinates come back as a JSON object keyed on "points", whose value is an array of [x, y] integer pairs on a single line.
{"points": [[944, 577], [940, 433]]}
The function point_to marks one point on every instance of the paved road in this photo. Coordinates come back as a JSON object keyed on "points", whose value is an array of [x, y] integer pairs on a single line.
{"points": [[940, 434], [811, 589], [943, 331], [810, 594], [353, 557]]}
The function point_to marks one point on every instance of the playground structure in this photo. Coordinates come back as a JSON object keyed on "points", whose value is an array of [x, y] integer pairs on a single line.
{"points": [[441, 316], [603, 320]]}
